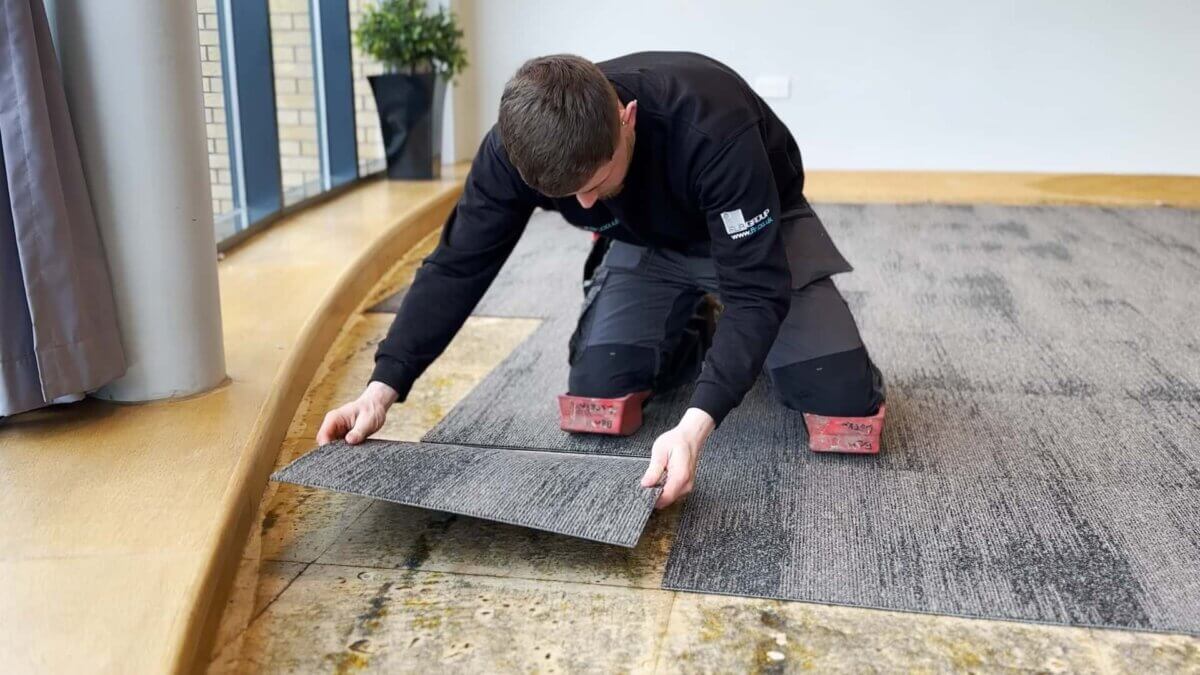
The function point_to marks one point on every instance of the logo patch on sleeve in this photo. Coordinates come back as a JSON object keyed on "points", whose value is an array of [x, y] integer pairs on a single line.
{"points": [[734, 221], [737, 226]]}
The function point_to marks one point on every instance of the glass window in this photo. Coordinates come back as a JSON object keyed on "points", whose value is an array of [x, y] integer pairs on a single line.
{"points": [[253, 95]]}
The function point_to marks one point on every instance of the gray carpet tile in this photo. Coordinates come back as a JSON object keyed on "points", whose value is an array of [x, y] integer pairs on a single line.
{"points": [[516, 405], [544, 275], [548, 248], [1069, 273], [1042, 452], [587, 496], [1068, 552], [1049, 427]]}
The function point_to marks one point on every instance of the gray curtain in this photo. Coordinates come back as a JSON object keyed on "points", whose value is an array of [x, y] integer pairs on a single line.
{"points": [[58, 326]]}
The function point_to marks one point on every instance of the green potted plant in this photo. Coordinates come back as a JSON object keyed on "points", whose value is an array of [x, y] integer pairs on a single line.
{"points": [[422, 52]]}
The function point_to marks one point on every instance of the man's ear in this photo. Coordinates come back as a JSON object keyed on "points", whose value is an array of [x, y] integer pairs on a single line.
{"points": [[629, 114]]}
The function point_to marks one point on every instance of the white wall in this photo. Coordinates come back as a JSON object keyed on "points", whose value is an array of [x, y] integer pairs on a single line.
{"points": [[1023, 85]]}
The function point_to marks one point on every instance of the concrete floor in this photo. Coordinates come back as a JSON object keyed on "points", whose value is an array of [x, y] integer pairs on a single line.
{"points": [[343, 584]]}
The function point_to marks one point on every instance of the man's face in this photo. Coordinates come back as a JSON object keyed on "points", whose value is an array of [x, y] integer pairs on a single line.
{"points": [[609, 179]]}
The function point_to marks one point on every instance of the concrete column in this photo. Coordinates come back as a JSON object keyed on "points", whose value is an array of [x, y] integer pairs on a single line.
{"points": [[131, 69]]}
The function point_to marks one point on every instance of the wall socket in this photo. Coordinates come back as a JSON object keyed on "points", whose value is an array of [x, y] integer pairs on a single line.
{"points": [[773, 86]]}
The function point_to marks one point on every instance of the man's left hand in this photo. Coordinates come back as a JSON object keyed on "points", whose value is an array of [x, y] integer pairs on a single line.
{"points": [[676, 452]]}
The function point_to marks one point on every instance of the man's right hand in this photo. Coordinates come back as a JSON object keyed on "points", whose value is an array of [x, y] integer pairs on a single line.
{"points": [[359, 418]]}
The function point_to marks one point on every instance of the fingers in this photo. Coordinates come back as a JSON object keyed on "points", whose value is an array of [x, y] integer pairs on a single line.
{"points": [[353, 421], [677, 485], [658, 464], [679, 479], [358, 419], [334, 426], [672, 490], [365, 424]]}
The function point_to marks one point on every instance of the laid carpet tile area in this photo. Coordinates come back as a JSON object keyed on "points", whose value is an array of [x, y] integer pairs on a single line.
{"points": [[936, 418], [551, 251], [1042, 451], [585, 496], [1067, 552], [516, 405], [544, 275], [1056, 273]]}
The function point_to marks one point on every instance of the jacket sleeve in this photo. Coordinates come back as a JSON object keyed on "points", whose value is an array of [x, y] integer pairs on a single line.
{"points": [[477, 238], [737, 193]]}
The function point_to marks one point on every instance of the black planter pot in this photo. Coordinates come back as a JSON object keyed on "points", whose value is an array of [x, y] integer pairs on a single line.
{"points": [[410, 117]]}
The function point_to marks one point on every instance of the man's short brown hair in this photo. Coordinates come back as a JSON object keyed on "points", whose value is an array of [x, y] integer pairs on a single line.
{"points": [[559, 122]]}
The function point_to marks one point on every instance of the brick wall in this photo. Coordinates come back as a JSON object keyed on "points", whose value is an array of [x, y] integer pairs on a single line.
{"points": [[366, 121], [295, 103], [214, 107]]}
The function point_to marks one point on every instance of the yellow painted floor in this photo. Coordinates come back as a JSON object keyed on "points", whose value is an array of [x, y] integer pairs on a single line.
{"points": [[345, 584], [118, 520]]}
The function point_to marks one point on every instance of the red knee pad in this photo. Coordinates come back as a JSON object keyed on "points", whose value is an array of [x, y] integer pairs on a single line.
{"points": [[612, 416], [858, 435]]}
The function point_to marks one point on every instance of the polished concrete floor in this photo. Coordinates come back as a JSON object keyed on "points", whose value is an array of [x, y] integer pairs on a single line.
{"points": [[344, 584]]}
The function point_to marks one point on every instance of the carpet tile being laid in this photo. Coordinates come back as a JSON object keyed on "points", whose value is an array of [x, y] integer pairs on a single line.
{"points": [[586, 496], [1042, 450], [487, 483]]}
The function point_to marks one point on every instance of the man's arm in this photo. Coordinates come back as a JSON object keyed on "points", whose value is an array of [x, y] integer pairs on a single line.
{"points": [[478, 237], [476, 240], [737, 192]]}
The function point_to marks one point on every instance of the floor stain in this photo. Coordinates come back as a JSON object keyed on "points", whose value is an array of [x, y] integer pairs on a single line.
{"points": [[427, 539], [357, 656]]}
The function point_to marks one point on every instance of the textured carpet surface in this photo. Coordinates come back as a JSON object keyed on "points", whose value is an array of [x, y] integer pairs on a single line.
{"points": [[523, 394], [1042, 449], [586, 496], [549, 250]]}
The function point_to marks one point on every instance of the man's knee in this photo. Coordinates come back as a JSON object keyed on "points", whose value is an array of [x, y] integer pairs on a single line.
{"points": [[611, 371], [845, 384]]}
